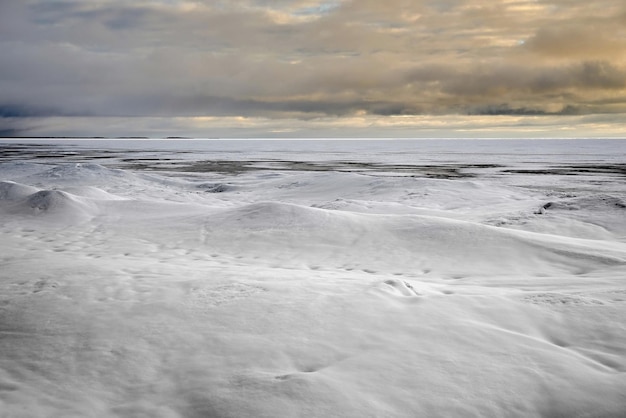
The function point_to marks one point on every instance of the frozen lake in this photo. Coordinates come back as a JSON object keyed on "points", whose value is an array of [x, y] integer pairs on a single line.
{"points": [[258, 278]]}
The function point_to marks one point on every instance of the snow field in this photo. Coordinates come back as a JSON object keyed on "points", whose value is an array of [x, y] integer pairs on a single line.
{"points": [[277, 293]]}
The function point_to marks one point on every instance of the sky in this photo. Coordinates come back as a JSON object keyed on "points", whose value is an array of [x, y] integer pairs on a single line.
{"points": [[310, 68]]}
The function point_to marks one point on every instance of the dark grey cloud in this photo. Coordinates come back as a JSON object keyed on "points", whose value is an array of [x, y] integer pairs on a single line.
{"points": [[486, 81], [16, 111]]}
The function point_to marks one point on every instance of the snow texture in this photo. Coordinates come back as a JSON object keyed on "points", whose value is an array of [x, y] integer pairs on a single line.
{"points": [[313, 278]]}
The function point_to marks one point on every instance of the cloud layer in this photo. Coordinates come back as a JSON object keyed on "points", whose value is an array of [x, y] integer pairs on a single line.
{"points": [[310, 60]]}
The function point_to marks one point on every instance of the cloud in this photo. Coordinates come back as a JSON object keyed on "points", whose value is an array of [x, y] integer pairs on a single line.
{"points": [[596, 41], [536, 79], [365, 126], [311, 59]]}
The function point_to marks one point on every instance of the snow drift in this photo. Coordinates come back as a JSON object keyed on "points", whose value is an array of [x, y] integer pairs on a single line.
{"points": [[18, 199], [408, 243]]}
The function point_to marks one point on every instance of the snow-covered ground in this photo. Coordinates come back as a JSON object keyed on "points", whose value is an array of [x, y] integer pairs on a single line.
{"points": [[312, 278]]}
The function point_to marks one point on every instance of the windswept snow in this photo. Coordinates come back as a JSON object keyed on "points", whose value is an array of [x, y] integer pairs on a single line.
{"points": [[287, 280]]}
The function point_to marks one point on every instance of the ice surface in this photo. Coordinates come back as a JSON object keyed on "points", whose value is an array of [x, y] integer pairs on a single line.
{"points": [[298, 278]]}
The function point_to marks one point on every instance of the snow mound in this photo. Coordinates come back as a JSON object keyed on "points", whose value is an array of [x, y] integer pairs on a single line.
{"points": [[275, 215], [373, 242], [10, 190], [58, 201], [72, 204], [46, 200], [51, 204]]}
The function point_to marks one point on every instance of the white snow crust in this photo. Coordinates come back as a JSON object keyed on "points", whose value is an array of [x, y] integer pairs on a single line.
{"points": [[279, 290]]}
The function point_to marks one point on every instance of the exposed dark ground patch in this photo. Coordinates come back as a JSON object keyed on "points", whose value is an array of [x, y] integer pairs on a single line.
{"points": [[573, 170], [149, 160], [124, 159], [18, 152], [448, 171]]}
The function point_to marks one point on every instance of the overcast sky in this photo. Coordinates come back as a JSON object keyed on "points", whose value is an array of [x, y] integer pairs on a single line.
{"points": [[263, 68]]}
